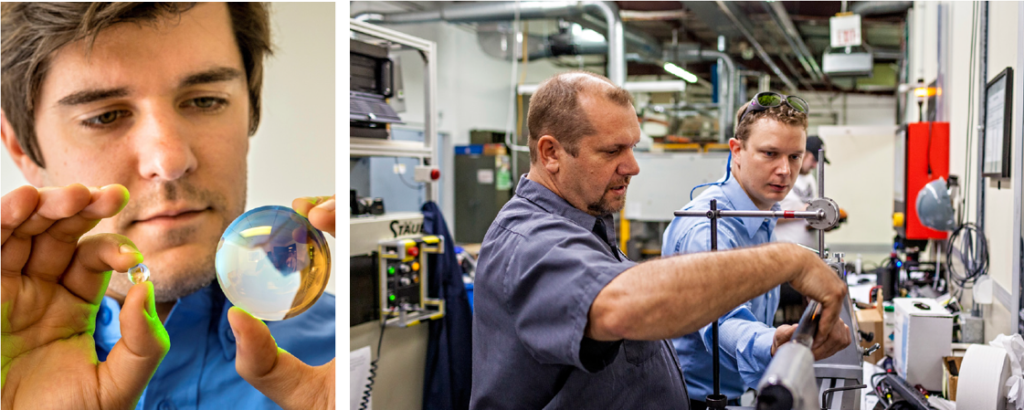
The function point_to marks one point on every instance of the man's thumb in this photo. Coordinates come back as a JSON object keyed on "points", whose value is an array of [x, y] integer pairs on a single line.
{"points": [[274, 372], [134, 359]]}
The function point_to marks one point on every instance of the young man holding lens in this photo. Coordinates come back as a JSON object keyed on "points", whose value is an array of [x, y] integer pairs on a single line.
{"points": [[766, 153]]}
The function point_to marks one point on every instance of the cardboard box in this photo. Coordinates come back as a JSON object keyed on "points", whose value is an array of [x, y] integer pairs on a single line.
{"points": [[870, 321], [922, 337], [948, 379]]}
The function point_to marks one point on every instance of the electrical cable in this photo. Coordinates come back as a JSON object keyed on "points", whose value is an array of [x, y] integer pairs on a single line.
{"points": [[373, 366], [971, 248], [728, 172]]}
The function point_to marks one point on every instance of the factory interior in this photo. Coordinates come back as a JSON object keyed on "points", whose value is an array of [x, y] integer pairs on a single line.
{"points": [[914, 200]]}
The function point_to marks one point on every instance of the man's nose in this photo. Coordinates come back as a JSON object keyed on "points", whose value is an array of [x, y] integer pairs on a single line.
{"points": [[164, 150], [784, 169], [630, 167]]}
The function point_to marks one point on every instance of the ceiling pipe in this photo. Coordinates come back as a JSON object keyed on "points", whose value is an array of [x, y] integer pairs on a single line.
{"points": [[870, 8], [727, 10], [727, 106], [638, 41], [796, 42], [477, 13], [532, 10]]}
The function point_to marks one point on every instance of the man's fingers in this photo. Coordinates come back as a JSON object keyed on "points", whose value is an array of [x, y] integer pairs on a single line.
{"points": [[319, 210], [103, 203], [17, 206], [322, 216], [276, 373], [54, 204], [96, 254], [134, 359], [837, 340]]}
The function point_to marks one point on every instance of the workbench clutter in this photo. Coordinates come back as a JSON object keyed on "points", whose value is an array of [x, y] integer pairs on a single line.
{"points": [[990, 376], [923, 335]]}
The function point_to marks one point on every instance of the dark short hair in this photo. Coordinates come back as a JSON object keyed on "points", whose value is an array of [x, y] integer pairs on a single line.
{"points": [[783, 114], [555, 109], [32, 33]]}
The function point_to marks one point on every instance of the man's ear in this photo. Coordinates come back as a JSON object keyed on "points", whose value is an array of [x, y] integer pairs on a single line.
{"points": [[32, 171], [549, 153], [735, 146]]}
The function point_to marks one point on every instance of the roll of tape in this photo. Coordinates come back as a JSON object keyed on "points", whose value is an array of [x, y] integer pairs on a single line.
{"points": [[982, 380]]}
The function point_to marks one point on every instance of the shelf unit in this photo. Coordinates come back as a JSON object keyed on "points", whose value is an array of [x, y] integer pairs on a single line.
{"points": [[426, 151]]}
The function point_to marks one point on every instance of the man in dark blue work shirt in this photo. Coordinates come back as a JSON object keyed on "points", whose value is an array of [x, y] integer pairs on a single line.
{"points": [[563, 319]]}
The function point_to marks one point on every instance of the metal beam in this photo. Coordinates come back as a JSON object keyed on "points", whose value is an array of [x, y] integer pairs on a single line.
{"points": [[727, 9], [795, 40]]}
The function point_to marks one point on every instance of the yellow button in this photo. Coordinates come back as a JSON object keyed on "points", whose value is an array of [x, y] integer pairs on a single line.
{"points": [[415, 266], [897, 219]]}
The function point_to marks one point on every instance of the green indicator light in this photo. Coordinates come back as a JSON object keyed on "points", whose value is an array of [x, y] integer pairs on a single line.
{"points": [[392, 298], [391, 270]]}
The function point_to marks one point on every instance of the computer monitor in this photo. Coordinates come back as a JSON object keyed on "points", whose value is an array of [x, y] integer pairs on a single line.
{"points": [[998, 123]]}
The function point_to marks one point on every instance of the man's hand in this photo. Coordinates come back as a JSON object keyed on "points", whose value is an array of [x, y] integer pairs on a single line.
{"points": [[319, 210], [52, 286], [271, 370], [819, 282], [838, 340], [277, 374], [782, 335]]}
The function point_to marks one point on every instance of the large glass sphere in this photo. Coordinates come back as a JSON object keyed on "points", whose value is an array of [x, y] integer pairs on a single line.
{"points": [[273, 263]]}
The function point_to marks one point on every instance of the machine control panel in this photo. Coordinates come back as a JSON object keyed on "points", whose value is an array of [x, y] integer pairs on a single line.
{"points": [[403, 275]]}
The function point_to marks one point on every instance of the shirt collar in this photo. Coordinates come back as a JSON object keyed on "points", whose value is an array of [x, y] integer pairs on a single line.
{"points": [[549, 201], [741, 202]]}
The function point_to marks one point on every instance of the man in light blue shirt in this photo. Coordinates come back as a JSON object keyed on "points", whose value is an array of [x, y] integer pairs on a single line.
{"points": [[767, 150]]}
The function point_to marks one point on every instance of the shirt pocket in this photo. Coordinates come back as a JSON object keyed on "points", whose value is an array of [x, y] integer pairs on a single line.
{"points": [[639, 352]]}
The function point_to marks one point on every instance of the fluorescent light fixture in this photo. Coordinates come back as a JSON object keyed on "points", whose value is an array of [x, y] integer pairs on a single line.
{"points": [[680, 72]]}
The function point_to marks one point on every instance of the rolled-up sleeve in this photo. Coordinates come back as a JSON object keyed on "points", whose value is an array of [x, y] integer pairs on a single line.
{"points": [[552, 280], [747, 341]]}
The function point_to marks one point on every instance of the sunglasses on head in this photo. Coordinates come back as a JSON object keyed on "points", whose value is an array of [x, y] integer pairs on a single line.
{"points": [[768, 99]]}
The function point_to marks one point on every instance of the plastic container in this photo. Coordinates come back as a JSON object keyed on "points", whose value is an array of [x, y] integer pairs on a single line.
{"points": [[889, 326]]}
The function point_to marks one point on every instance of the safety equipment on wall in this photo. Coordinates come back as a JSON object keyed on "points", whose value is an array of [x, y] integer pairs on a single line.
{"points": [[934, 206]]}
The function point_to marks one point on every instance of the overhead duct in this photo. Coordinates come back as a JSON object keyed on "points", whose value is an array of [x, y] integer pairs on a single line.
{"points": [[532, 10], [498, 40], [644, 45], [873, 8]]}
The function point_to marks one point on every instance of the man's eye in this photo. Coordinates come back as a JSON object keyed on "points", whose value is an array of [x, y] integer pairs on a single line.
{"points": [[769, 153], [106, 118], [207, 103]]}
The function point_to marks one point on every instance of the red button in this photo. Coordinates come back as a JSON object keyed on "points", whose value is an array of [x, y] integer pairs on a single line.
{"points": [[435, 174], [414, 251]]}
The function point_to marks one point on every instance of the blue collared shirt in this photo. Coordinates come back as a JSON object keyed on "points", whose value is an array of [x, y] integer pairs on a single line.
{"points": [[542, 263], [199, 370], [745, 334]]}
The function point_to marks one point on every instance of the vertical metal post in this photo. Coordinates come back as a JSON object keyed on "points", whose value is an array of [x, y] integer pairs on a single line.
{"points": [[714, 325], [821, 194], [982, 81], [430, 123]]}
